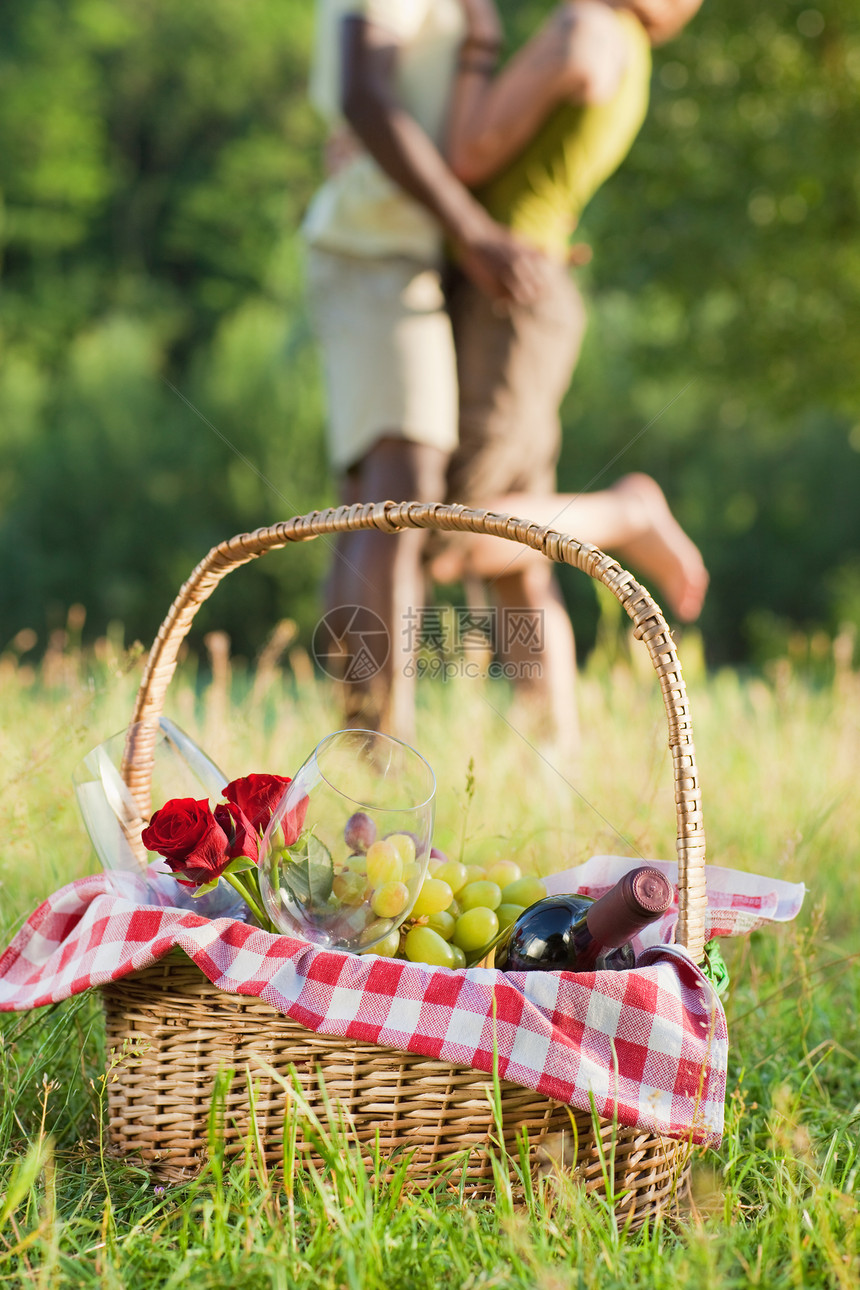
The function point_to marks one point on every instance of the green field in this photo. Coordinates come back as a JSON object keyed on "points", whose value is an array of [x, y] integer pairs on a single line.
{"points": [[777, 1204]]}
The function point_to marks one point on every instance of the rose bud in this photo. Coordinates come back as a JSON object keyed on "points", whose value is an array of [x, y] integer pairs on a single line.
{"points": [[241, 838]]}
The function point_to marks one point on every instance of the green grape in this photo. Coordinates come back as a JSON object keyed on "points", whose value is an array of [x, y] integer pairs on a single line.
{"points": [[508, 914], [454, 910], [504, 872], [433, 898], [373, 932], [383, 863], [484, 894], [474, 872], [433, 865], [425, 946], [453, 873], [412, 875], [443, 923], [475, 928], [349, 887], [386, 948], [525, 891], [356, 864], [404, 845], [459, 956], [389, 900]]}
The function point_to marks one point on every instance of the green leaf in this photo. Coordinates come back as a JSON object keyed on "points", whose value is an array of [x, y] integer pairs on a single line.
{"points": [[204, 889], [22, 1179], [240, 864], [309, 874]]}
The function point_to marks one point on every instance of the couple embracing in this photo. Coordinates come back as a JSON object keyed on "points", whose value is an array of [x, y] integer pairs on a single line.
{"points": [[439, 282]]}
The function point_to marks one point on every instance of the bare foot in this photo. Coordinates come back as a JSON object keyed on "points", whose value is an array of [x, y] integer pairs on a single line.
{"points": [[631, 519], [662, 549]]}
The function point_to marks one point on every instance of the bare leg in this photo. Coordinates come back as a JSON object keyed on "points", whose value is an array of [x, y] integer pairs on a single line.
{"points": [[535, 639], [632, 520], [383, 573]]}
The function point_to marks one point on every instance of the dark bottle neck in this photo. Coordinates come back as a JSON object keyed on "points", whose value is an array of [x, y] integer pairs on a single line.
{"points": [[637, 900]]}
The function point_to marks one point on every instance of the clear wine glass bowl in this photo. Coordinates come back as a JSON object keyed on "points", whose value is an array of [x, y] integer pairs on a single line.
{"points": [[346, 850], [112, 818]]}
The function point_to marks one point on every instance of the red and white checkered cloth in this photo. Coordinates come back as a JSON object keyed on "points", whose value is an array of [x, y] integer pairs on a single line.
{"points": [[649, 1045]]}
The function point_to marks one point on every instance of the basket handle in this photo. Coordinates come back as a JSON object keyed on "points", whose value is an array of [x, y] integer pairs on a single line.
{"points": [[391, 517]]}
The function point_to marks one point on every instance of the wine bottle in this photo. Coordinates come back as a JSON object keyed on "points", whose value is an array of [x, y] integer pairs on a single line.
{"points": [[578, 934]]}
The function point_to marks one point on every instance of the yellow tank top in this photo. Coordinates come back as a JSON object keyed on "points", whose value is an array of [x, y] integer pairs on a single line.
{"points": [[542, 193]]}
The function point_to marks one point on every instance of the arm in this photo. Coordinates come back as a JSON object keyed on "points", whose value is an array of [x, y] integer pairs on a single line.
{"points": [[491, 256], [578, 56]]}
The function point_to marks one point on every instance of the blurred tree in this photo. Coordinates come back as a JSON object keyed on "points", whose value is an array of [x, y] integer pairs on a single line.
{"points": [[154, 162], [155, 159]]}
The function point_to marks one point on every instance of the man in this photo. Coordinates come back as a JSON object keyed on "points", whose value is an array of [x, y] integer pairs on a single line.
{"points": [[375, 232]]}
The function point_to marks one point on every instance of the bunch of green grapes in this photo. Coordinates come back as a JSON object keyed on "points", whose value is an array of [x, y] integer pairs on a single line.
{"points": [[459, 911]]}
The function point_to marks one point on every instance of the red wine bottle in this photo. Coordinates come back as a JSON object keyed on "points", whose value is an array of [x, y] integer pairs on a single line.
{"points": [[578, 934]]}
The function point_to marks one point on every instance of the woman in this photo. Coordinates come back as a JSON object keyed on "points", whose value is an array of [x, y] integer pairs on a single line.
{"points": [[535, 142]]}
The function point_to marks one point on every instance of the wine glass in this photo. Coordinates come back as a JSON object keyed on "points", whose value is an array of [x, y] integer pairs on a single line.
{"points": [[345, 853], [112, 818]]}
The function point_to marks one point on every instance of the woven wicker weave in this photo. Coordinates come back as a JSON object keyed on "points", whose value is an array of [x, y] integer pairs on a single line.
{"points": [[179, 1031]]}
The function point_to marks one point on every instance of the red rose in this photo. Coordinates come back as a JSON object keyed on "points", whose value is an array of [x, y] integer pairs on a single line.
{"points": [[257, 796], [177, 828], [293, 822], [241, 838], [191, 840]]}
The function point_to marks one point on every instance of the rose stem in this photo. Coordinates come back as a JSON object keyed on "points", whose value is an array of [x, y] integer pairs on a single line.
{"points": [[243, 891]]}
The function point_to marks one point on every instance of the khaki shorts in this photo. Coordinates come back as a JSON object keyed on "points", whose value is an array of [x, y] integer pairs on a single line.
{"points": [[514, 368], [388, 353]]}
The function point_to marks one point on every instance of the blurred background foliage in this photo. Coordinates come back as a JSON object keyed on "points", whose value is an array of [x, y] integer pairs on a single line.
{"points": [[159, 388]]}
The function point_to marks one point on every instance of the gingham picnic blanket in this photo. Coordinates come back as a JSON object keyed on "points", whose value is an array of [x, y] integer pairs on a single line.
{"points": [[648, 1045]]}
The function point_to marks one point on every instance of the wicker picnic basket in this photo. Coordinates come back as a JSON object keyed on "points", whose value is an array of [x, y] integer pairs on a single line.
{"points": [[180, 1031]]}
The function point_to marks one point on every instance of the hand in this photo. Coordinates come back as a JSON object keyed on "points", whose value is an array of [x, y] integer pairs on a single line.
{"points": [[504, 267], [578, 254]]}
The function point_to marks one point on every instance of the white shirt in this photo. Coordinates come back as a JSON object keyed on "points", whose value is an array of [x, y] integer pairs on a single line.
{"points": [[359, 210]]}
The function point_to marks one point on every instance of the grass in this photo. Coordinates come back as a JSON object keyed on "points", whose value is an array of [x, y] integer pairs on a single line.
{"points": [[776, 1206]]}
